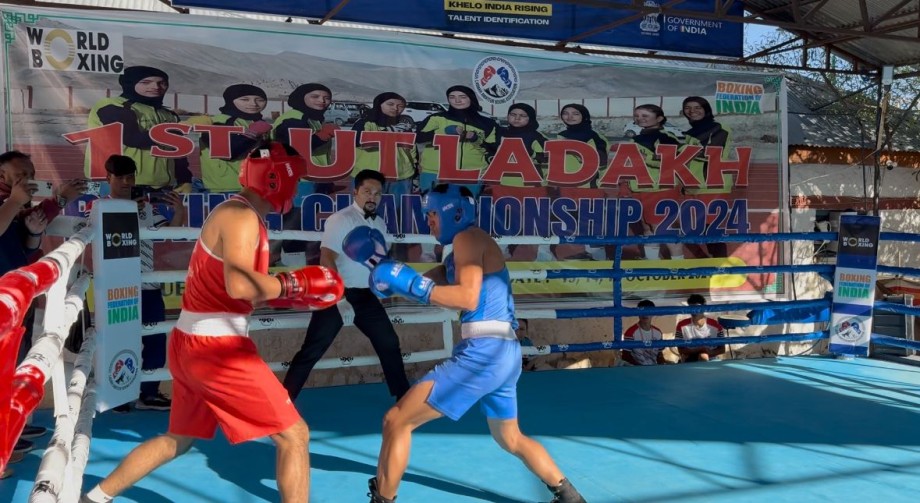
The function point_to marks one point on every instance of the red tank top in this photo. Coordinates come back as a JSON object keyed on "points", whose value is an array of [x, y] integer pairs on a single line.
{"points": [[205, 289]]}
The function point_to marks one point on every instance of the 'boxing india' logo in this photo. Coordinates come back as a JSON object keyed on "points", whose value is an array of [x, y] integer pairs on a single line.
{"points": [[123, 369], [850, 330], [496, 80], [123, 304], [75, 50]]}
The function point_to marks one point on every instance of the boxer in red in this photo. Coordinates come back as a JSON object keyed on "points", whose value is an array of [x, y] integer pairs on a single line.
{"points": [[219, 377]]}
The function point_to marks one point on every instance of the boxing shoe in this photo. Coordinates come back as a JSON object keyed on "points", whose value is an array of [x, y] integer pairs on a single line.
{"points": [[565, 492], [374, 495]]}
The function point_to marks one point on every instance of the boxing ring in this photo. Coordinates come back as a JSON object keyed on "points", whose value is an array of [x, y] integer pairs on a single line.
{"points": [[804, 428]]}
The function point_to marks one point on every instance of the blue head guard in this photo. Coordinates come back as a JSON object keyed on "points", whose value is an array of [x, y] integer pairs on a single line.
{"points": [[456, 212]]}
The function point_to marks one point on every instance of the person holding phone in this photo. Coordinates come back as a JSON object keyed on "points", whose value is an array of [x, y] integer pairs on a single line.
{"points": [[22, 226], [121, 172]]}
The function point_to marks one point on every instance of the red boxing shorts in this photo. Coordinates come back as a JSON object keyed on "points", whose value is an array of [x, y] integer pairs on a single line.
{"points": [[223, 381]]}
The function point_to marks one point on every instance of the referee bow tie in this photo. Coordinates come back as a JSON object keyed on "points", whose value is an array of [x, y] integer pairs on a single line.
{"points": [[370, 215]]}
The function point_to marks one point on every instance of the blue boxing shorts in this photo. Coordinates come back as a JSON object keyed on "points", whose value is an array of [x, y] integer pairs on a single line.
{"points": [[483, 369]]}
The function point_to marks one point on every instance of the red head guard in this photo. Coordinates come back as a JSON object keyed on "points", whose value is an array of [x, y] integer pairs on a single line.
{"points": [[272, 171]]}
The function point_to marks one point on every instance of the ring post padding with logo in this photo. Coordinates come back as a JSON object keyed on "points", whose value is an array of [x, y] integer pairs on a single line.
{"points": [[854, 284], [117, 290]]}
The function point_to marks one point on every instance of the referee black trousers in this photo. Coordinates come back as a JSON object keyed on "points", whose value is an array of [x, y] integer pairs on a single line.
{"points": [[372, 320]]}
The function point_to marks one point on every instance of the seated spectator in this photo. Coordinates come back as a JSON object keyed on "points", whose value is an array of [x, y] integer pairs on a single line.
{"points": [[522, 334], [699, 327], [646, 332]]}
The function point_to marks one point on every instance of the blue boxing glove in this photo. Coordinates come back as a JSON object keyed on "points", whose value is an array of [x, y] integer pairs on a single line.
{"points": [[382, 291], [366, 246], [391, 277]]}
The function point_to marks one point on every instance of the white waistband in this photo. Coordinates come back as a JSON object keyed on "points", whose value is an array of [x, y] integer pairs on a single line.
{"points": [[213, 324], [492, 328]]}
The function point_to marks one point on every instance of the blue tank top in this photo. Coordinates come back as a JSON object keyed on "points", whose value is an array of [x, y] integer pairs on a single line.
{"points": [[495, 300]]}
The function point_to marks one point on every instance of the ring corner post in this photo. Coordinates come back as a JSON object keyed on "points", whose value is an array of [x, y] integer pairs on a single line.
{"points": [[117, 294]]}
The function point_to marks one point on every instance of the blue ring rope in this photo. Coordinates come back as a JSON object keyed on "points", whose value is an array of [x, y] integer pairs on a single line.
{"points": [[687, 271], [902, 271], [607, 312], [891, 307], [899, 236], [885, 340], [670, 343], [617, 274], [721, 238]]}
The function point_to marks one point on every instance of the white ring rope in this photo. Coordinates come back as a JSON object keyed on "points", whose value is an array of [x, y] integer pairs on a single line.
{"points": [[45, 362], [65, 228], [47, 355]]}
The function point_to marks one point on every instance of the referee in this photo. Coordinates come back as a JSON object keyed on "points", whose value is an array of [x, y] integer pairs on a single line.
{"points": [[370, 316]]}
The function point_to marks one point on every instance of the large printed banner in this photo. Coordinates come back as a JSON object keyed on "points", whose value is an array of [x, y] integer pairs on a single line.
{"points": [[529, 20], [563, 145]]}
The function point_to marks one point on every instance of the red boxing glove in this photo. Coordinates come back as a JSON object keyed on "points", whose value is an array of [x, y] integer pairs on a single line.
{"points": [[314, 284], [326, 132]]}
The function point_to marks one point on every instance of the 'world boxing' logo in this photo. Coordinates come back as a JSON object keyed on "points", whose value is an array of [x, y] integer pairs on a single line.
{"points": [[120, 234], [857, 242], [63, 50]]}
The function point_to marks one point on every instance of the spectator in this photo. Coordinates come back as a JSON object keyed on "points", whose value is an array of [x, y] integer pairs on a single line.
{"points": [[370, 316], [699, 326], [22, 227], [522, 333], [646, 332], [121, 174]]}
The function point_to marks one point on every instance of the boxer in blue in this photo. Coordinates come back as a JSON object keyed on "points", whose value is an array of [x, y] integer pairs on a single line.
{"points": [[485, 365]]}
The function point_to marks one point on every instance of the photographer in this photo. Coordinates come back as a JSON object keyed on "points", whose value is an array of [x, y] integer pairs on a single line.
{"points": [[120, 173]]}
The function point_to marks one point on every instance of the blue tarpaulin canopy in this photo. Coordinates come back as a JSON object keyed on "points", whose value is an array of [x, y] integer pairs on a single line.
{"points": [[676, 31]]}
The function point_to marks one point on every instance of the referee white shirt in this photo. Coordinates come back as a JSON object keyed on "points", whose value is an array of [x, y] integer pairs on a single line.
{"points": [[338, 225]]}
